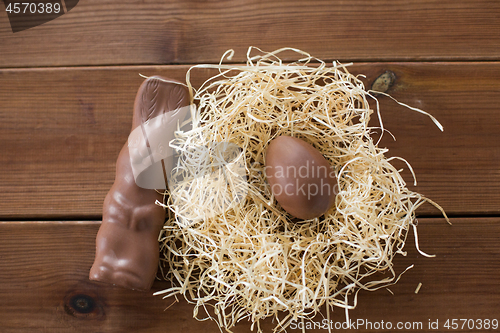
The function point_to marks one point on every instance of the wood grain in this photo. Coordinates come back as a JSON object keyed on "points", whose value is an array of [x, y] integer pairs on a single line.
{"points": [[61, 131], [44, 266], [158, 32]]}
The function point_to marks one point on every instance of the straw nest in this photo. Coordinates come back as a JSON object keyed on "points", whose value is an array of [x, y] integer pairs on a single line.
{"points": [[251, 260]]}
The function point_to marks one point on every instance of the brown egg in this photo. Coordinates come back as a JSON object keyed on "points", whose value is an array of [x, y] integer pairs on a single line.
{"points": [[301, 179]]}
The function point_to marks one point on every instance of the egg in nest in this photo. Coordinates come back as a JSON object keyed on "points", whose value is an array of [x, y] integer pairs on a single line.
{"points": [[301, 179], [252, 261]]}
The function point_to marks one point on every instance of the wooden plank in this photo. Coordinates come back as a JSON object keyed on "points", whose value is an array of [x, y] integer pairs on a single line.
{"points": [[158, 32], [61, 131], [457, 167], [44, 267]]}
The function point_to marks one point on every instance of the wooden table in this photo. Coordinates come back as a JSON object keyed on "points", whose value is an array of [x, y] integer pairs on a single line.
{"points": [[66, 95]]}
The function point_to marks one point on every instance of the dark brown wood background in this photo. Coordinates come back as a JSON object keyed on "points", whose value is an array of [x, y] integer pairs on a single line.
{"points": [[66, 96]]}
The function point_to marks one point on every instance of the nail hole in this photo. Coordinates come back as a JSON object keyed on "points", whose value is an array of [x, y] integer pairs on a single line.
{"points": [[82, 303]]}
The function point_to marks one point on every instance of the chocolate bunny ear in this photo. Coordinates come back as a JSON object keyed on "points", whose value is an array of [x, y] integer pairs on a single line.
{"points": [[127, 249], [161, 107], [157, 96]]}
